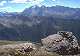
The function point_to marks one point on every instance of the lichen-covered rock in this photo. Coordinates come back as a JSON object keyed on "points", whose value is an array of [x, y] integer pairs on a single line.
{"points": [[63, 43]]}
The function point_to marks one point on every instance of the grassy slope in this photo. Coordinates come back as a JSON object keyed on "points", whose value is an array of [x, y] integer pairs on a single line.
{"points": [[5, 42]]}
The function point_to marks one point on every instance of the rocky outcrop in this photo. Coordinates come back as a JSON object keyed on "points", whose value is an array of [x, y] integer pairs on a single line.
{"points": [[63, 43], [24, 49]]}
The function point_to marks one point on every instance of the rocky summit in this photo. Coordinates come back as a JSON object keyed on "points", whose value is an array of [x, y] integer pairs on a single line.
{"points": [[63, 43]]}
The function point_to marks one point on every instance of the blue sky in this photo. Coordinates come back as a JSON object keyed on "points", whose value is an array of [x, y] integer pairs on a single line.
{"points": [[20, 5]]}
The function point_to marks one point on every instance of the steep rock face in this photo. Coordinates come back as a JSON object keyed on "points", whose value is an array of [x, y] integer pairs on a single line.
{"points": [[63, 43], [58, 11]]}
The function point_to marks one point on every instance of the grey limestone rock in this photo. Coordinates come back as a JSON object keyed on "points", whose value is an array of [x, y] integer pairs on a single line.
{"points": [[63, 43]]}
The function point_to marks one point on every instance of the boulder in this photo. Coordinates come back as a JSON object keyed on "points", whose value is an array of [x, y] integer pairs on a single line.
{"points": [[63, 43]]}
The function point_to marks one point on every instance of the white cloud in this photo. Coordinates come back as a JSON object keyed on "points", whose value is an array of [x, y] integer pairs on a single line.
{"points": [[5, 8], [27, 1], [18, 1], [53, 0], [2, 3], [31, 2], [35, 2]]}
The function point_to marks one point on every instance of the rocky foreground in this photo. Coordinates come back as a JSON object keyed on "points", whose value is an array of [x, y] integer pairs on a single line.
{"points": [[24, 49], [61, 44]]}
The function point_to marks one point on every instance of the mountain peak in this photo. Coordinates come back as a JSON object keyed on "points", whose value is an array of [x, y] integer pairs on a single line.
{"points": [[43, 6], [49, 11], [35, 6]]}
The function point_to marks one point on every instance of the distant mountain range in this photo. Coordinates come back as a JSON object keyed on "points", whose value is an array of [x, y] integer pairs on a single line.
{"points": [[36, 22], [55, 11]]}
